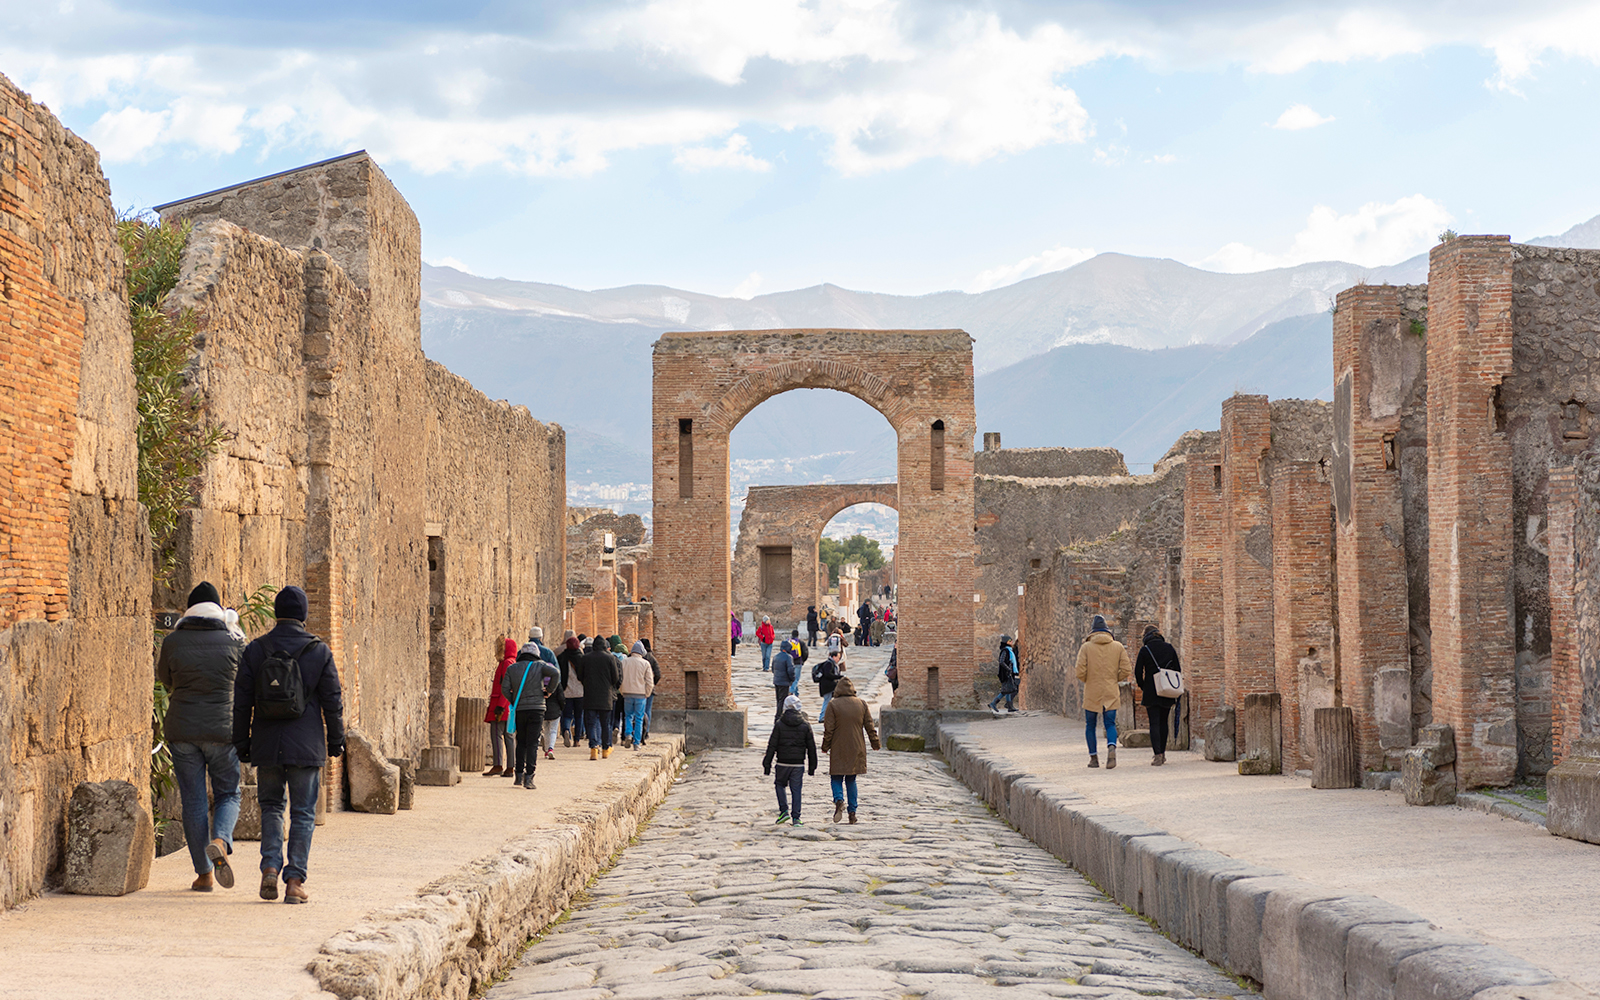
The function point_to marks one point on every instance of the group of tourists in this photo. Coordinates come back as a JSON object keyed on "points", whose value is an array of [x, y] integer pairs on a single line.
{"points": [[847, 731], [275, 703], [595, 688], [869, 629], [1103, 667]]}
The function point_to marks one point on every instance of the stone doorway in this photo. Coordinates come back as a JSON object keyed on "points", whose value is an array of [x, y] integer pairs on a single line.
{"points": [[704, 384], [777, 574]]}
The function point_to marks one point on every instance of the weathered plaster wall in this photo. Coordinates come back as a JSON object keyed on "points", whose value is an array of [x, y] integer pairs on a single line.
{"points": [[1048, 463], [75, 651]]}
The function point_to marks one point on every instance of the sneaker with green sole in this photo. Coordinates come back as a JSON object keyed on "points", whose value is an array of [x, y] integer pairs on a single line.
{"points": [[798, 823], [782, 818]]}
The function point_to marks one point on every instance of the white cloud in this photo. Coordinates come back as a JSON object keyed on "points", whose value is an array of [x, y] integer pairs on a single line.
{"points": [[1162, 158], [1057, 258], [127, 134], [747, 288], [1373, 235], [733, 155], [1300, 116]]}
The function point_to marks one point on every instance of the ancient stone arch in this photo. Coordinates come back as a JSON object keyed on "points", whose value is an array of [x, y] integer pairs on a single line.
{"points": [[775, 568], [705, 383]]}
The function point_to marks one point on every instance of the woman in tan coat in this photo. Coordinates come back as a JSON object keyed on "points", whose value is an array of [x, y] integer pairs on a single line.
{"points": [[1102, 665], [846, 730]]}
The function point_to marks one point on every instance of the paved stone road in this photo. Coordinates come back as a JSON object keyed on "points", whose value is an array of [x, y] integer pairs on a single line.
{"points": [[752, 689], [929, 896]]}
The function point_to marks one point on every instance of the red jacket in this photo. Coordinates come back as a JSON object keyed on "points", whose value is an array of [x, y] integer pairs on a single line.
{"points": [[497, 700], [765, 633]]}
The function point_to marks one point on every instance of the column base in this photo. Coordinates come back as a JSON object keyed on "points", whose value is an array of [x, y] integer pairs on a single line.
{"points": [[440, 766]]}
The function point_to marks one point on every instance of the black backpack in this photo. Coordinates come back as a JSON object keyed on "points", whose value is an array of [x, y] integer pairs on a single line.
{"points": [[280, 690]]}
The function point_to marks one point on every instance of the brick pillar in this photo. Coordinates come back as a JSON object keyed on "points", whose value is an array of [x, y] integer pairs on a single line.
{"points": [[1469, 505], [628, 624], [1302, 587], [1566, 682], [1247, 608], [1202, 586], [647, 623], [1374, 614]]}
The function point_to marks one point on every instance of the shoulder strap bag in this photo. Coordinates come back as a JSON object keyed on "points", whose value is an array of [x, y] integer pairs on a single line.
{"points": [[1168, 682]]}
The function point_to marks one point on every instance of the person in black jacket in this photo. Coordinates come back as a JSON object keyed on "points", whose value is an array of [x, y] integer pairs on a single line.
{"points": [[198, 662], [813, 625], [571, 706], [289, 754], [1156, 655], [795, 747], [601, 674]]}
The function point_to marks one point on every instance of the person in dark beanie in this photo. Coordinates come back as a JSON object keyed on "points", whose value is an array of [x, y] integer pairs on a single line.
{"points": [[526, 686], [288, 753], [198, 663], [601, 675], [795, 746], [1102, 667], [1156, 655]]}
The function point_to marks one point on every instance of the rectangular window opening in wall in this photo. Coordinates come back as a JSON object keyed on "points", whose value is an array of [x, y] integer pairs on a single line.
{"points": [[936, 457], [1497, 409], [691, 690], [933, 688], [1216, 477], [685, 459], [1388, 452], [1574, 421]]}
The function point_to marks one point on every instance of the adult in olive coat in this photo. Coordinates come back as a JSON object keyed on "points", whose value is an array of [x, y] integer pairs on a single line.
{"points": [[1102, 666], [601, 674], [846, 730]]}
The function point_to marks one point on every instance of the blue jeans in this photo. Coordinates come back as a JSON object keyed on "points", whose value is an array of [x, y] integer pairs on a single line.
{"points": [[825, 699], [843, 783], [632, 717], [1090, 718], [302, 784], [1009, 696], [786, 778], [766, 656], [192, 762], [649, 708], [572, 718], [598, 722]]}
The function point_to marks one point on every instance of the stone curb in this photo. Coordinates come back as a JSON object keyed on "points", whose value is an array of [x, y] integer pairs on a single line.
{"points": [[464, 929], [1297, 939]]}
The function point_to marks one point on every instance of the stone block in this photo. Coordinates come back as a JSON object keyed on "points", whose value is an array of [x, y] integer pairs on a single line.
{"points": [[1462, 971], [374, 782], [408, 779], [1336, 763], [704, 729], [1220, 737], [905, 742], [1373, 953], [441, 765], [1282, 974], [1322, 938], [1209, 876], [1133, 738], [110, 840], [1427, 771], [1261, 734], [1247, 904], [925, 722], [1574, 790], [1141, 875], [1172, 894], [1391, 706]]}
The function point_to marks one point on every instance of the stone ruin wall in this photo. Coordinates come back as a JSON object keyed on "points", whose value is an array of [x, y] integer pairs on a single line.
{"points": [[75, 651]]}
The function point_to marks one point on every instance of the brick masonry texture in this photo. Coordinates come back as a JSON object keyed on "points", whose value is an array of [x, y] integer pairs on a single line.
{"points": [[1302, 591], [424, 519], [792, 517], [705, 383], [1246, 556], [75, 657], [1049, 463]]}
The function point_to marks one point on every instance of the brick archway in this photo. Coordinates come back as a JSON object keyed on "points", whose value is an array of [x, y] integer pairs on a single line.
{"points": [[705, 383], [792, 518]]}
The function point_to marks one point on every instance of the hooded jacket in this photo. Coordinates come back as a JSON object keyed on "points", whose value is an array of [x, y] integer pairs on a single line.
{"points": [[554, 696], [498, 703], [304, 742], [638, 681], [792, 742], [828, 676], [785, 671], [601, 675], [765, 633], [1156, 655], [1102, 663], [847, 730], [567, 660], [198, 663]]}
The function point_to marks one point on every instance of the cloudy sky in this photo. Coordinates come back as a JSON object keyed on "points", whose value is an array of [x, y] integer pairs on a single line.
{"points": [[737, 146]]}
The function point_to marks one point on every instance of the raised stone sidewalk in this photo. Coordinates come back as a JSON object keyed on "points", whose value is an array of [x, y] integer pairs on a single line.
{"points": [[425, 903], [1315, 893]]}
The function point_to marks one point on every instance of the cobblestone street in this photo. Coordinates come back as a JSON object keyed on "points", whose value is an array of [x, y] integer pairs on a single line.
{"points": [[928, 896]]}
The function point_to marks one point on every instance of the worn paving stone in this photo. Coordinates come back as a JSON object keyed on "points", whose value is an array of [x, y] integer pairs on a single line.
{"points": [[928, 896]]}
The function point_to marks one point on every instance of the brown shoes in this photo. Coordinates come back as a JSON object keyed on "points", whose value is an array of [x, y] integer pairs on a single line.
{"points": [[201, 883], [852, 818], [838, 810], [497, 769], [269, 884], [294, 891], [217, 854], [1111, 757], [1094, 760]]}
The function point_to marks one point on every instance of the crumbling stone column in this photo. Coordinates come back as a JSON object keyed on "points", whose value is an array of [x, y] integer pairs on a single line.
{"points": [[1566, 681], [1469, 504], [1302, 585], [1247, 605], [1379, 360], [1202, 652]]}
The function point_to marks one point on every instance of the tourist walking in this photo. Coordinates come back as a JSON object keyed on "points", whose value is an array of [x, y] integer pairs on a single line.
{"points": [[288, 735], [1008, 670], [864, 617], [1156, 655], [813, 626], [785, 675], [198, 663], [650, 702], [571, 689], [525, 685], [498, 714], [1102, 666], [554, 696], [827, 674], [846, 731], [766, 635], [794, 747], [601, 675], [737, 632], [638, 683]]}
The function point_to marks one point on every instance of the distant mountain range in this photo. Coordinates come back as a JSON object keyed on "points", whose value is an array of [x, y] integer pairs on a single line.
{"points": [[1118, 350]]}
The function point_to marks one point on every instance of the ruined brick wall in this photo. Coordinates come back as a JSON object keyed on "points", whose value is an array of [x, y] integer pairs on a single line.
{"points": [[1380, 499], [791, 517], [1575, 602], [1247, 606], [1470, 521], [921, 381], [1048, 463], [1302, 586], [75, 630], [1201, 645]]}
